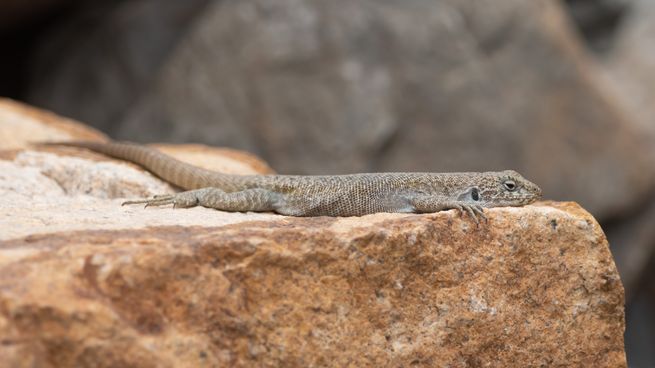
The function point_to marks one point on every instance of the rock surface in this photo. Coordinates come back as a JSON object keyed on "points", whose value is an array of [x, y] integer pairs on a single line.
{"points": [[534, 287], [87, 283], [35, 180]]}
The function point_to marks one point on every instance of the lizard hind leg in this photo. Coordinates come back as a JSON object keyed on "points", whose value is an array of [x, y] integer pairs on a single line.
{"points": [[246, 200]]}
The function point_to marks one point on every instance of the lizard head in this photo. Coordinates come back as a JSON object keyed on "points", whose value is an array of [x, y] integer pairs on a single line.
{"points": [[504, 188]]}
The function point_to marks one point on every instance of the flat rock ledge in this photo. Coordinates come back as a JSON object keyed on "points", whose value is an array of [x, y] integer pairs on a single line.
{"points": [[534, 287], [85, 282]]}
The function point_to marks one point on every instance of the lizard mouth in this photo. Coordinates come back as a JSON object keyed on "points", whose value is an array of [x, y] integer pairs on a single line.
{"points": [[522, 200], [531, 198]]}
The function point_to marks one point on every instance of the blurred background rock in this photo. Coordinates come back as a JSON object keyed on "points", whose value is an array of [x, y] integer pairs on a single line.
{"points": [[560, 91]]}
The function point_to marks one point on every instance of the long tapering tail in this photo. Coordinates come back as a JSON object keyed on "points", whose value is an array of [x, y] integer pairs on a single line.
{"points": [[174, 171]]}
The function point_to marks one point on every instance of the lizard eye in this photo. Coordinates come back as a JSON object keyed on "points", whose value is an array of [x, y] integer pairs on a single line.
{"points": [[475, 194], [509, 185]]}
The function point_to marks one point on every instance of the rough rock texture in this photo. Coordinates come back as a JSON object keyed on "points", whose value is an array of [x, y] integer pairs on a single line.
{"points": [[534, 287], [343, 86], [87, 283], [33, 181]]}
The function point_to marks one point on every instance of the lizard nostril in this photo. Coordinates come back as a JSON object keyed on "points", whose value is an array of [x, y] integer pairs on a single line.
{"points": [[537, 191]]}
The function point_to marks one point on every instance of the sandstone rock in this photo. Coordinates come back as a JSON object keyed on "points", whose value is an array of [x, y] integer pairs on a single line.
{"points": [[345, 86], [21, 125], [534, 287], [224, 160], [35, 181], [85, 282]]}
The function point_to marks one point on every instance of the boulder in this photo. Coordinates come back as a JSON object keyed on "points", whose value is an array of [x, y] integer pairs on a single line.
{"points": [[630, 73], [85, 282], [345, 86]]}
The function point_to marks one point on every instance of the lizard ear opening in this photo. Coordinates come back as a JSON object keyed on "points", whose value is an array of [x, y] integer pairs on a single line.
{"points": [[475, 194]]}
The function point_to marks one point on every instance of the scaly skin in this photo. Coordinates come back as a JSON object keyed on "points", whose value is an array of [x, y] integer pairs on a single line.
{"points": [[336, 195]]}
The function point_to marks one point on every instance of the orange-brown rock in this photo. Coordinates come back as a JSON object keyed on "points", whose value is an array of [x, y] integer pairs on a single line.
{"points": [[534, 287], [85, 282]]}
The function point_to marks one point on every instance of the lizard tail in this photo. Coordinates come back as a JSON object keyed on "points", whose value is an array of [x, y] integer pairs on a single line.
{"points": [[174, 171]]}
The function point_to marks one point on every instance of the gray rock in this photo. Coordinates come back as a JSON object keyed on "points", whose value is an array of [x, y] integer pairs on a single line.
{"points": [[630, 70], [342, 86], [598, 20], [98, 63], [345, 86]]}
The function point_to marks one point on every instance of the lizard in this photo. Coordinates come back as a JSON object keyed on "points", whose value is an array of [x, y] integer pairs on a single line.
{"points": [[322, 195]]}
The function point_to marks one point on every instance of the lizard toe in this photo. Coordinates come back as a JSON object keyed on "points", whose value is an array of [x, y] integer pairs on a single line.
{"points": [[480, 212], [158, 200], [471, 212]]}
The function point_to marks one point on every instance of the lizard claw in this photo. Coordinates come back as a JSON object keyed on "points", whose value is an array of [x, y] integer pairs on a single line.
{"points": [[471, 213], [479, 210], [476, 212]]}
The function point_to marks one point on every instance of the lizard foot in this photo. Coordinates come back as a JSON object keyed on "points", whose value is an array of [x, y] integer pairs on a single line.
{"points": [[476, 212], [430, 204]]}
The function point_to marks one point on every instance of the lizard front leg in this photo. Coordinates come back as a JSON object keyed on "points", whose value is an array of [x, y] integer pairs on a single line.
{"points": [[431, 204], [258, 200]]}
